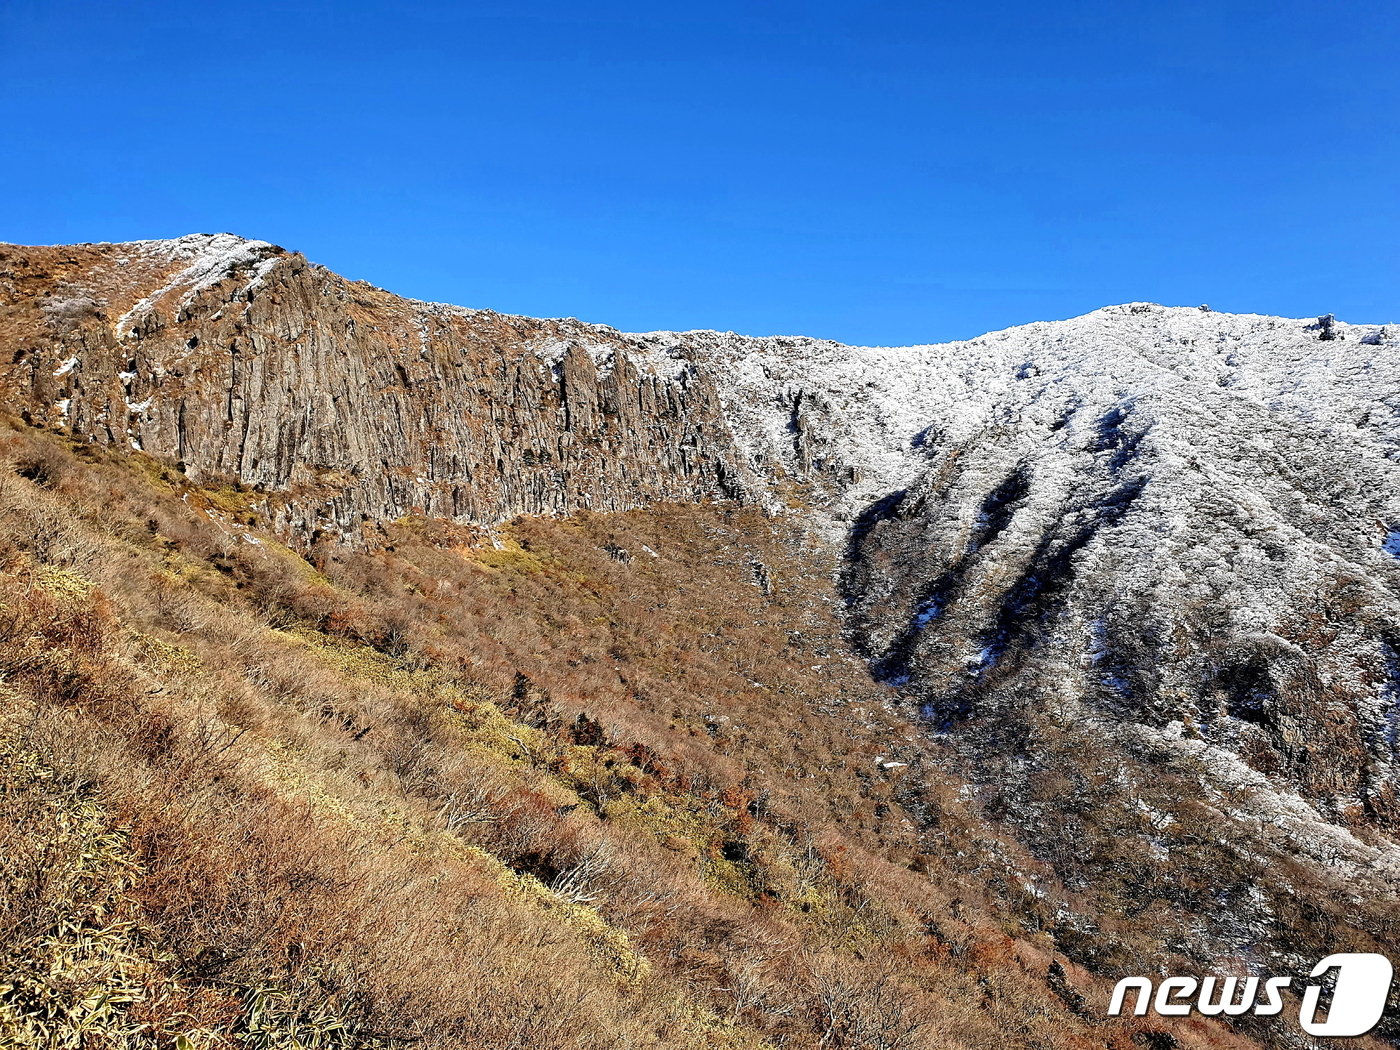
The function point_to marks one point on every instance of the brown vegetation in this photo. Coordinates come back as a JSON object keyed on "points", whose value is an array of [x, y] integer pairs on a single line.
{"points": [[606, 781]]}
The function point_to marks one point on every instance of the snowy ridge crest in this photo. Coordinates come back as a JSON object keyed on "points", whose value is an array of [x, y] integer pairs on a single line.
{"points": [[879, 408]]}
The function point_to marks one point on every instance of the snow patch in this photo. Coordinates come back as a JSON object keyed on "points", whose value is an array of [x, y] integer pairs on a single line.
{"points": [[1277, 810], [209, 258]]}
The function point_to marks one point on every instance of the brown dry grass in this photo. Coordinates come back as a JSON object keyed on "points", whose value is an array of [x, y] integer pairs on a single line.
{"points": [[576, 784]]}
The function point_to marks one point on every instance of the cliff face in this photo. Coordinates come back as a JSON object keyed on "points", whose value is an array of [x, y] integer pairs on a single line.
{"points": [[241, 360]]}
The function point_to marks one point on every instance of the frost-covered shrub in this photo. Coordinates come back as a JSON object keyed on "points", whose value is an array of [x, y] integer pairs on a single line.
{"points": [[1327, 328], [68, 312]]}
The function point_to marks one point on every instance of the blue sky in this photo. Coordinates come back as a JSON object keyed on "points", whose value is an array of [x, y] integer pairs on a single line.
{"points": [[873, 172]]}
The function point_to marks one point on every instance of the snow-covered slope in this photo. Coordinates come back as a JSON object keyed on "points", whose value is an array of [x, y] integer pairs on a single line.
{"points": [[1138, 570], [208, 259], [1158, 528], [882, 408], [1246, 463]]}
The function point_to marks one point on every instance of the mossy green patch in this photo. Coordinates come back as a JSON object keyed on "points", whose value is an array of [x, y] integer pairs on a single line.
{"points": [[63, 583], [162, 655]]}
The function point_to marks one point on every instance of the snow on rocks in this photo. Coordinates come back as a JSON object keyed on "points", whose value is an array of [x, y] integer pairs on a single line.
{"points": [[208, 259], [876, 410]]}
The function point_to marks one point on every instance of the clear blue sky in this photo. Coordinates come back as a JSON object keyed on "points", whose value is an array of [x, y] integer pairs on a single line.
{"points": [[871, 172]]}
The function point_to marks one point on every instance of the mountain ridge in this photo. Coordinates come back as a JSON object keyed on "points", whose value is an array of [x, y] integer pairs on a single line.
{"points": [[1129, 578], [258, 244], [211, 259]]}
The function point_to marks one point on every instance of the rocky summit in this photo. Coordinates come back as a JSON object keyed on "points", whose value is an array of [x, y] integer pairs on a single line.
{"points": [[1126, 585]]}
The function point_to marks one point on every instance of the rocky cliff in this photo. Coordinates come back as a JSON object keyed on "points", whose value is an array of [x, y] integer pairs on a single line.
{"points": [[243, 361]]}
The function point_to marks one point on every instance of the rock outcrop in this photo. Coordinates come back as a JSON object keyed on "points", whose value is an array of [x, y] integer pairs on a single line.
{"points": [[243, 361]]}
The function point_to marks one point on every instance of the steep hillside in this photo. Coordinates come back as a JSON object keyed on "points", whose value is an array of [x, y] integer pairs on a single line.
{"points": [[600, 781], [1159, 537], [821, 695]]}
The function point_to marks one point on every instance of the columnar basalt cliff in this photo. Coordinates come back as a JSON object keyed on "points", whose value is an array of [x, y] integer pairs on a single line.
{"points": [[243, 361]]}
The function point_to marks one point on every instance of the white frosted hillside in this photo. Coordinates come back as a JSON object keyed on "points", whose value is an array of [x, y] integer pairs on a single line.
{"points": [[1227, 372], [1169, 516]]}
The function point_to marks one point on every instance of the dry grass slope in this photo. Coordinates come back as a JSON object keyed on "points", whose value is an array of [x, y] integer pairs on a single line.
{"points": [[598, 782]]}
